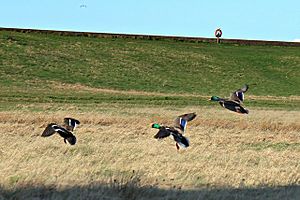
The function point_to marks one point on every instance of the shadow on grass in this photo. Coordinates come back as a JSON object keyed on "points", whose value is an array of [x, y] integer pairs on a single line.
{"points": [[133, 190]]}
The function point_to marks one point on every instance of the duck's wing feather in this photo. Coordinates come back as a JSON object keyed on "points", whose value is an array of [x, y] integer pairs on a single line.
{"points": [[63, 132], [67, 135], [181, 140], [49, 130], [182, 120], [184, 142], [71, 140], [234, 106], [162, 133], [238, 95], [71, 123]]}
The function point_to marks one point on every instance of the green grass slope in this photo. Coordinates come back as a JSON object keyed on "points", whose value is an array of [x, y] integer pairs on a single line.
{"points": [[30, 63]]}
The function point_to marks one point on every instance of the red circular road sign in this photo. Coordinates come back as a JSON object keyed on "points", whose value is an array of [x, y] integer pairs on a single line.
{"points": [[218, 32]]}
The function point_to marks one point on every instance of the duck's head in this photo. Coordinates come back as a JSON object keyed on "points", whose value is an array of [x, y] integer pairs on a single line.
{"points": [[215, 98], [156, 126]]}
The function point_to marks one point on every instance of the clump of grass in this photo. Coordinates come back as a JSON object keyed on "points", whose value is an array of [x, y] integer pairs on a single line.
{"points": [[281, 146], [264, 125], [14, 179], [126, 184]]}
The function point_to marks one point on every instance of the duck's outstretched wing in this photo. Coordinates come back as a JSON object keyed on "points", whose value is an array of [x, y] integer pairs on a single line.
{"points": [[238, 95], [49, 130], [71, 123], [182, 120], [162, 133]]}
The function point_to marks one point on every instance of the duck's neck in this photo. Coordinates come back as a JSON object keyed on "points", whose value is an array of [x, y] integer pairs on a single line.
{"points": [[156, 126]]}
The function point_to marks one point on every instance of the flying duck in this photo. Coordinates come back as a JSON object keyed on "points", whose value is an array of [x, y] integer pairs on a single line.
{"points": [[64, 131], [176, 131], [235, 102]]}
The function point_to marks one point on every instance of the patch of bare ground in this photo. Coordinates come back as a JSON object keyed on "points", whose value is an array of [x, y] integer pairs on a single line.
{"points": [[116, 148]]}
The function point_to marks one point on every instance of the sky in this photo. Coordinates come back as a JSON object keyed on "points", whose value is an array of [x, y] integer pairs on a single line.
{"points": [[277, 20]]}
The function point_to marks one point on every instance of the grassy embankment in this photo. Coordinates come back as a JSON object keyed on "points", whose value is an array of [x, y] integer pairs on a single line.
{"points": [[35, 69]]}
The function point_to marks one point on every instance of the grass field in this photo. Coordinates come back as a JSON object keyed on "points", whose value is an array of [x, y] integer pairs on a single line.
{"points": [[117, 88]]}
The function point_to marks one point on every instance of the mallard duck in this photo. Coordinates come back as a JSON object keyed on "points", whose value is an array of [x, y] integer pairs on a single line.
{"points": [[235, 102], [176, 131], [65, 132]]}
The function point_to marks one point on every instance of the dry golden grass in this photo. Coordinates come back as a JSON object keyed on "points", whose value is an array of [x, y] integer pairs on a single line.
{"points": [[116, 157]]}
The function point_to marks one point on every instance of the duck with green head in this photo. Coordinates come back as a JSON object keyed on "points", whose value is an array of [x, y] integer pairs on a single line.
{"points": [[235, 102], [175, 131]]}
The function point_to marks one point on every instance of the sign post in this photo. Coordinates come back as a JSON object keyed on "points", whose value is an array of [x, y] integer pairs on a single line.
{"points": [[218, 34]]}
